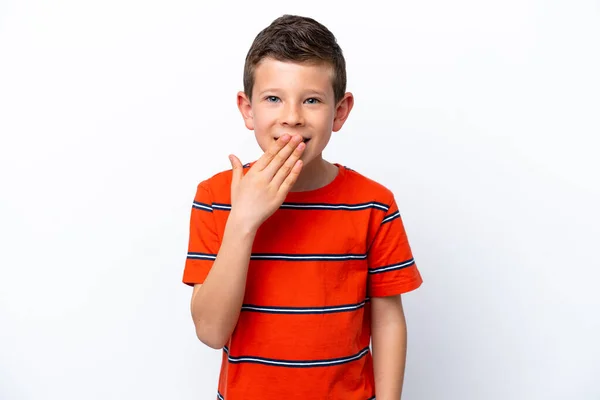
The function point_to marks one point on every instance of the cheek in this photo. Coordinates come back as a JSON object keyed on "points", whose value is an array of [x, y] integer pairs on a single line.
{"points": [[326, 122], [263, 118]]}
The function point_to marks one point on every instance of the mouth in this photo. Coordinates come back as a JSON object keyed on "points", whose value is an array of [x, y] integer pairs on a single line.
{"points": [[304, 140]]}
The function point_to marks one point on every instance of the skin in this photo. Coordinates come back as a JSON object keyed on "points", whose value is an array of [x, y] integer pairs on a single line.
{"points": [[290, 102], [297, 99], [389, 337]]}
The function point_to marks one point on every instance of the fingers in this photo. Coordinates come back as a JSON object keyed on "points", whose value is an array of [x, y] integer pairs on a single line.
{"points": [[288, 151], [291, 178], [238, 169], [286, 169], [271, 152]]}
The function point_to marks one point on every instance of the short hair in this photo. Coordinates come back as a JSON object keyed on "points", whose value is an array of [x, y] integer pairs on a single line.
{"points": [[299, 39]]}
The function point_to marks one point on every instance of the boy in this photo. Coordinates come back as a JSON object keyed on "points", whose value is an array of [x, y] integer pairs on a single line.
{"points": [[297, 263]]}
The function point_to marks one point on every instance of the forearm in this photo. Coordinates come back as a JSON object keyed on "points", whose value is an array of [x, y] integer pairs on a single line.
{"points": [[217, 304], [389, 357]]}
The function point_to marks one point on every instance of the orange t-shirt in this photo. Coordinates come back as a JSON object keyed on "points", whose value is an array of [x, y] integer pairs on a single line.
{"points": [[304, 329]]}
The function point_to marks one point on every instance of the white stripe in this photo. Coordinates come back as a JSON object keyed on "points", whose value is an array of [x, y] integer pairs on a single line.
{"points": [[202, 256], [382, 207], [308, 205], [305, 310], [317, 257], [391, 216], [335, 206], [296, 363], [202, 206], [395, 266]]}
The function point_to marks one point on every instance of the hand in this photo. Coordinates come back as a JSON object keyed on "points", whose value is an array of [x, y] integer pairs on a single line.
{"points": [[258, 194]]}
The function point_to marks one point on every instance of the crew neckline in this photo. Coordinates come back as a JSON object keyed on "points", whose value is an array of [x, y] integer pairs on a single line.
{"points": [[323, 190]]}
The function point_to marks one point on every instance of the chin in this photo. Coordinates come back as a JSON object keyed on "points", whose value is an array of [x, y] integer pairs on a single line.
{"points": [[309, 160]]}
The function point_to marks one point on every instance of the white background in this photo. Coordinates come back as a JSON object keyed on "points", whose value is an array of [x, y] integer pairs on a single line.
{"points": [[482, 117]]}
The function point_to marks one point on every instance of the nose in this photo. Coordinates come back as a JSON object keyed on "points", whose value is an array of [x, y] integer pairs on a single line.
{"points": [[291, 115]]}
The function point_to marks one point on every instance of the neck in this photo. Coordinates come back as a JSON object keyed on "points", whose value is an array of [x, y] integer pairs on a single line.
{"points": [[315, 175]]}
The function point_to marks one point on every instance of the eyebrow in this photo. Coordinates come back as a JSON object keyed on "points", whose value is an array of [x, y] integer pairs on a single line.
{"points": [[317, 92], [267, 90], [310, 91]]}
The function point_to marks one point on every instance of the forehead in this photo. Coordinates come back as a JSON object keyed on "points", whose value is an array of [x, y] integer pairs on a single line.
{"points": [[290, 75]]}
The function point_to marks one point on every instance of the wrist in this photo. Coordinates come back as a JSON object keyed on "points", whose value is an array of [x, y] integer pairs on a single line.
{"points": [[240, 225]]}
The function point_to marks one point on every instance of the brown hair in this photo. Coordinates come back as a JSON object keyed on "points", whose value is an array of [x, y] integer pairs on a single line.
{"points": [[299, 39]]}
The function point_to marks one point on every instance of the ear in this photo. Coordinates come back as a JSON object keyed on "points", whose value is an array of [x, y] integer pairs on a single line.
{"points": [[342, 111], [245, 107]]}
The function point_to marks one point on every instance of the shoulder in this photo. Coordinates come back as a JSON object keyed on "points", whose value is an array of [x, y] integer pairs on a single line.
{"points": [[218, 185], [366, 187], [217, 180]]}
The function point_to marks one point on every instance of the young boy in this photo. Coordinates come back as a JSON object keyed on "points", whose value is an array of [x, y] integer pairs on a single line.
{"points": [[297, 263]]}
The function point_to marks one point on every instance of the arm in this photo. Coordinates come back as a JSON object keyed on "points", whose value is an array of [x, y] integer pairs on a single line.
{"points": [[216, 303], [389, 335]]}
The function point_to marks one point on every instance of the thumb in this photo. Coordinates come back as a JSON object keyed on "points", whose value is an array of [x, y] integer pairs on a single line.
{"points": [[237, 167]]}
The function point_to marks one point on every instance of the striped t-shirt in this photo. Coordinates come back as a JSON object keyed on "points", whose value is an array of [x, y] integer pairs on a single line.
{"points": [[304, 329]]}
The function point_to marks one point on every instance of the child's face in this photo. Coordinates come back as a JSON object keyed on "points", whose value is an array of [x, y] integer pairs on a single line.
{"points": [[294, 98]]}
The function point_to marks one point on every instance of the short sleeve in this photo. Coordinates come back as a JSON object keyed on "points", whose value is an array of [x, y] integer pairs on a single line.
{"points": [[204, 241], [392, 268]]}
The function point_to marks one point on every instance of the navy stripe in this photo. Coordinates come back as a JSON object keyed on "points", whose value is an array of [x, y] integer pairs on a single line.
{"points": [[335, 206], [302, 206], [392, 267], [221, 206], [307, 257], [304, 310], [286, 257], [202, 206], [295, 363], [201, 256], [391, 217]]}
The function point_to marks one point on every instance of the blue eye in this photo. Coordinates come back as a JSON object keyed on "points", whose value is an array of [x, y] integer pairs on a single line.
{"points": [[272, 98], [312, 100]]}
